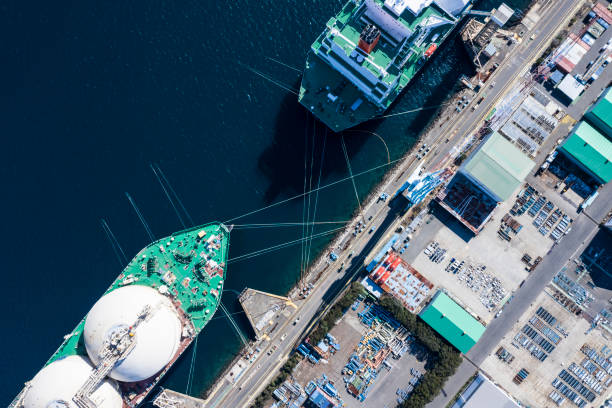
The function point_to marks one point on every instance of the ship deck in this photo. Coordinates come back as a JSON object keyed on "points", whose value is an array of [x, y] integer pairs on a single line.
{"points": [[344, 30], [189, 267]]}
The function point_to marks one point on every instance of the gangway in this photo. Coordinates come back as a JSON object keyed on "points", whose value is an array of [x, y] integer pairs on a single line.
{"points": [[479, 13], [117, 346]]}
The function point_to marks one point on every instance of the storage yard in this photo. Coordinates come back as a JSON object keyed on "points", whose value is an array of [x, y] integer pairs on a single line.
{"points": [[490, 265], [359, 361], [551, 356]]}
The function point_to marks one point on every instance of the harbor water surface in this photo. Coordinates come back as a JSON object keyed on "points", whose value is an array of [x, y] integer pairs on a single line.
{"points": [[94, 92]]}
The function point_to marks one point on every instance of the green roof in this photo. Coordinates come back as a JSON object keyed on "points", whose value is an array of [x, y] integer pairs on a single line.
{"points": [[499, 166], [449, 319], [601, 113], [592, 149]]}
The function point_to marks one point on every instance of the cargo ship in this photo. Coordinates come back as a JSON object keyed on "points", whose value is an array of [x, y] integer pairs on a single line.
{"points": [[369, 52], [137, 330]]}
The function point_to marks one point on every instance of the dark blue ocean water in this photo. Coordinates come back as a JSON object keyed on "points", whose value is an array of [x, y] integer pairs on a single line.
{"points": [[93, 92]]}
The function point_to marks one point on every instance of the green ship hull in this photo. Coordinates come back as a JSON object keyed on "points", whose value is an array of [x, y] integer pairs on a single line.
{"points": [[190, 266], [352, 75]]}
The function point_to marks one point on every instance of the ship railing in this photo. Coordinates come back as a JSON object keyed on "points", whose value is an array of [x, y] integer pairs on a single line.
{"points": [[18, 400]]}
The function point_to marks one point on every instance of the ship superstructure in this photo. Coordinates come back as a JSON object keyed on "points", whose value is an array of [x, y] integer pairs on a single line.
{"points": [[138, 329], [369, 52]]}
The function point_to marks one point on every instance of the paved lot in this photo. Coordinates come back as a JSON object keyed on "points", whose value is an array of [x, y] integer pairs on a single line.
{"points": [[535, 389], [349, 331], [501, 258], [583, 230], [253, 380]]}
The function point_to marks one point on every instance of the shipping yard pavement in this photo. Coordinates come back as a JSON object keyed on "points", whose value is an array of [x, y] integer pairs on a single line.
{"points": [[572, 333], [583, 230], [256, 376], [382, 393]]}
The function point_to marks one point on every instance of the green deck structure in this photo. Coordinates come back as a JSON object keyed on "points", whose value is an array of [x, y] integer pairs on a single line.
{"points": [[449, 319], [344, 85], [498, 166], [590, 150], [600, 115], [189, 267]]}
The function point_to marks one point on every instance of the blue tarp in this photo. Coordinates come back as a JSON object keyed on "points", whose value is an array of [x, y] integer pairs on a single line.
{"points": [[319, 400], [384, 249], [556, 77]]}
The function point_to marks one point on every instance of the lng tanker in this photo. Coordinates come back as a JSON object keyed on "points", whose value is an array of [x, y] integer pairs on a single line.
{"points": [[137, 330], [369, 53]]}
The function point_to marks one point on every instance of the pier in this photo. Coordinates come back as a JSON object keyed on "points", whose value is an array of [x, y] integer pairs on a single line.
{"points": [[172, 399], [265, 311]]}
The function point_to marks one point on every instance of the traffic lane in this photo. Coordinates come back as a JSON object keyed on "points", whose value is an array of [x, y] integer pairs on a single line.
{"points": [[583, 229], [602, 204], [335, 283], [312, 310], [465, 370], [481, 109]]}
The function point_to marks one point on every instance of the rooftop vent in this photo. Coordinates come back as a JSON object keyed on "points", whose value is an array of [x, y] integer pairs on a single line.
{"points": [[369, 38]]}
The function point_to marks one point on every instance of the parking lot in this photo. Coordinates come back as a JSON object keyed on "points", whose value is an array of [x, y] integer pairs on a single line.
{"points": [[552, 355], [393, 376]]}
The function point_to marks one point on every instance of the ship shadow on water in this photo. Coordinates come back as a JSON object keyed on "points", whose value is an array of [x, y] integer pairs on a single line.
{"points": [[283, 161]]}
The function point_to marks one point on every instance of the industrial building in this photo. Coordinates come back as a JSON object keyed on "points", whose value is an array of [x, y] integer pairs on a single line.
{"points": [[529, 126], [498, 167], [397, 278], [318, 399], [570, 88], [467, 203], [591, 151], [569, 54], [452, 321], [482, 393], [600, 114], [491, 175]]}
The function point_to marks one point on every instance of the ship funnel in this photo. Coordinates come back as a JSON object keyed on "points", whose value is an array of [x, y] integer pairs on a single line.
{"points": [[369, 38]]}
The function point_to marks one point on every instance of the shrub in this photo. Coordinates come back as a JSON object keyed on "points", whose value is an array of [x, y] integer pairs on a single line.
{"points": [[326, 323], [446, 358]]}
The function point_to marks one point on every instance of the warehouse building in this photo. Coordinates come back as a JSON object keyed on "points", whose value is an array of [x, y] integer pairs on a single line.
{"points": [[498, 167], [400, 280], [570, 88], [482, 393], [569, 53], [452, 322], [600, 114], [591, 151], [491, 175]]}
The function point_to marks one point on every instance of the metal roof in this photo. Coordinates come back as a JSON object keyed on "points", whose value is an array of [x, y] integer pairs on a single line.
{"points": [[592, 149], [570, 87], [386, 22], [502, 14], [482, 393], [600, 114], [452, 6], [318, 399], [499, 166], [449, 319]]}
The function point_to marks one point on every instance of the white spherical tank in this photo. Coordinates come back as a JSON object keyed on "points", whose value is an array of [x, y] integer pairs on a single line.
{"points": [[157, 337], [56, 384]]}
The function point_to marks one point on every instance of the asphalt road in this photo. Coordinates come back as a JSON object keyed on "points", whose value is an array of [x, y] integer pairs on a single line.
{"points": [[384, 218]]}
